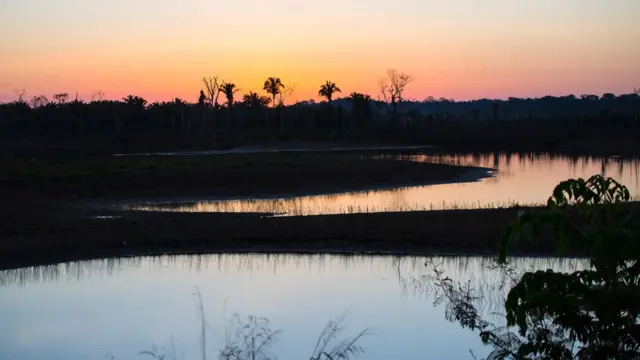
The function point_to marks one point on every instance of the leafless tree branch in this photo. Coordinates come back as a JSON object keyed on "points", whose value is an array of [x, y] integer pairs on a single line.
{"points": [[212, 86], [20, 94], [284, 94], [392, 87]]}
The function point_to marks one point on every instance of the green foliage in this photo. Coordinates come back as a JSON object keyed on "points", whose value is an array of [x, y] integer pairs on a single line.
{"points": [[583, 215], [587, 314], [596, 308]]}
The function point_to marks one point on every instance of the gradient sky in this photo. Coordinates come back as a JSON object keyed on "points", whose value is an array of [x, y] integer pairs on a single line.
{"points": [[461, 49]]}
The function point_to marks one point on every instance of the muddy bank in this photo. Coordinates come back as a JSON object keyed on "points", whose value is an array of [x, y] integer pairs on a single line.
{"points": [[83, 236], [239, 175], [290, 147]]}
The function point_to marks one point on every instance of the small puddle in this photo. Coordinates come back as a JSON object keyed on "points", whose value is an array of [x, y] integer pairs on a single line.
{"points": [[106, 217]]}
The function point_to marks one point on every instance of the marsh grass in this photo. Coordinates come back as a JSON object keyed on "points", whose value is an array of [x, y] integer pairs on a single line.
{"points": [[249, 340], [326, 347], [315, 205], [253, 339]]}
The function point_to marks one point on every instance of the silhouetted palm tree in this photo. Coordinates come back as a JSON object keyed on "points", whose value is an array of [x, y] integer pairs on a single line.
{"points": [[228, 89], [328, 89], [273, 86]]}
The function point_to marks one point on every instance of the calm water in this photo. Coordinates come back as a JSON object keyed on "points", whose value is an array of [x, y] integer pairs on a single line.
{"points": [[519, 178], [86, 310]]}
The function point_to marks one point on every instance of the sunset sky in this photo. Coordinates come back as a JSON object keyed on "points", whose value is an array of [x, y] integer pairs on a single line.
{"points": [[461, 49]]}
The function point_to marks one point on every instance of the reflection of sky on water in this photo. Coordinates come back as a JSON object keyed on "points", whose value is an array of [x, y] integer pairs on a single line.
{"points": [[87, 309], [520, 178]]}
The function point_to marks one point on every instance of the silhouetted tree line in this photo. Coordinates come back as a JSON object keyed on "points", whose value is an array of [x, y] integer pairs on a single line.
{"points": [[132, 124]]}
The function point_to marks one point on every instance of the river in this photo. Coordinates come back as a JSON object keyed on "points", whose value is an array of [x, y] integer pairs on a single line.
{"points": [[119, 307]]}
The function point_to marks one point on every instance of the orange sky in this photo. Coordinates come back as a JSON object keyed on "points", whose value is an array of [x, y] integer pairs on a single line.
{"points": [[458, 49]]}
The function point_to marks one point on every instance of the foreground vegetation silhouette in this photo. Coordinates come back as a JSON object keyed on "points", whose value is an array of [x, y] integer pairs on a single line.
{"points": [[253, 339], [587, 314]]}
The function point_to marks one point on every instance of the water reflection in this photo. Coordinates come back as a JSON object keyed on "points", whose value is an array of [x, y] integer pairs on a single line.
{"points": [[412, 274], [403, 268], [525, 179], [90, 308]]}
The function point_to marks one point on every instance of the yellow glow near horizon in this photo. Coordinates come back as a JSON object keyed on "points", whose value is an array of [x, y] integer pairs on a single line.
{"points": [[458, 49]]}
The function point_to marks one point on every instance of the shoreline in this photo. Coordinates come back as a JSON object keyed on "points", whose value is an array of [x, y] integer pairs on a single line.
{"points": [[61, 209], [443, 232], [47, 217], [256, 149], [474, 174], [145, 253]]}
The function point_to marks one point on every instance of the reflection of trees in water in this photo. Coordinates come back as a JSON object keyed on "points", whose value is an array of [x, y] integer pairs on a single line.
{"points": [[543, 161], [525, 160], [489, 282], [71, 271], [371, 201], [464, 268]]}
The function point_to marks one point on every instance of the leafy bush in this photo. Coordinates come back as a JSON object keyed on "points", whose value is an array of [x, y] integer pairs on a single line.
{"points": [[588, 314]]}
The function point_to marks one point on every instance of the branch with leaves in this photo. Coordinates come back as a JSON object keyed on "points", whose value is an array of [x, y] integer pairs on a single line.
{"points": [[587, 314]]}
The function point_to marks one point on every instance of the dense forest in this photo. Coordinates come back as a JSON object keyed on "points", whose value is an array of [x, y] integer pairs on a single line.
{"points": [[216, 119]]}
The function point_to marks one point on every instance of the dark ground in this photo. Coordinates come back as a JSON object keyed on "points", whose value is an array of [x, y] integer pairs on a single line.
{"points": [[48, 204], [66, 238]]}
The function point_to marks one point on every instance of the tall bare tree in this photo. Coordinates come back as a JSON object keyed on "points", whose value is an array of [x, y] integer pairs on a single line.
{"points": [[392, 87], [328, 89], [212, 86], [284, 94], [20, 94], [97, 96]]}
